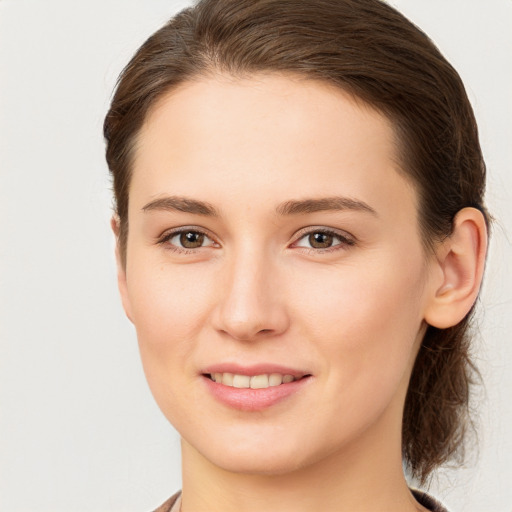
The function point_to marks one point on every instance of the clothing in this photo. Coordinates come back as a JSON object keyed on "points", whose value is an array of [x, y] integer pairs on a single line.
{"points": [[173, 503], [428, 501]]}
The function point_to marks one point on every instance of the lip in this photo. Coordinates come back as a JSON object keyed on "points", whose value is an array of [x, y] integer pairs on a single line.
{"points": [[254, 369], [247, 399]]}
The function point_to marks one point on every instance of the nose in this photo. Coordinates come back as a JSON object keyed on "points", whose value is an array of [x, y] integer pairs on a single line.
{"points": [[251, 302]]}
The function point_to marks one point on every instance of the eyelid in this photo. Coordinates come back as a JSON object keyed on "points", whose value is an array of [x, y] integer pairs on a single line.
{"points": [[170, 233], [345, 237]]}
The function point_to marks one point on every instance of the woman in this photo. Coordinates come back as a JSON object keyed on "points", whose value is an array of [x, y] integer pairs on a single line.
{"points": [[301, 238]]}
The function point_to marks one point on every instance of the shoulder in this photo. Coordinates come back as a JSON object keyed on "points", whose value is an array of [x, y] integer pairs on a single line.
{"points": [[428, 501], [421, 497], [168, 504]]}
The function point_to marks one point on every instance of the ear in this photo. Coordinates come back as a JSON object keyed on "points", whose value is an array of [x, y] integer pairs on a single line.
{"points": [[121, 268], [460, 262]]}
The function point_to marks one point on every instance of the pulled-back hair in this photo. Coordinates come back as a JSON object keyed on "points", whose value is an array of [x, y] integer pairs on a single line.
{"points": [[374, 53]]}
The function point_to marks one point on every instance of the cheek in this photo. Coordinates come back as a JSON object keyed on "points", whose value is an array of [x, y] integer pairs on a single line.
{"points": [[365, 324], [366, 318], [169, 308]]}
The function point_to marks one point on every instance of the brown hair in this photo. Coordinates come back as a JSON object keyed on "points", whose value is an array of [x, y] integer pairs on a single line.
{"points": [[370, 50]]}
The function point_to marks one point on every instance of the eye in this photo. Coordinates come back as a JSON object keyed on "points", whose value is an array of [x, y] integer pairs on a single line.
{"points": [[186, 239], [323, 239]]}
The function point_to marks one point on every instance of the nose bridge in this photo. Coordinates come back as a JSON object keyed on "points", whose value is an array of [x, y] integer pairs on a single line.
{"points": [[251, 304]]}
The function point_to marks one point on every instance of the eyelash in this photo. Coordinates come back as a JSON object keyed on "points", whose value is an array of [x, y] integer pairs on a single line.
{"points": [[344, 240], [169, 235]]}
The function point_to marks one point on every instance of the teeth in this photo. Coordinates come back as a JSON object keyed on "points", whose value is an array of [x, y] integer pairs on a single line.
{"points": [[259, 382], [256, 382], [227, 379], [241, 381], [274, 379]]}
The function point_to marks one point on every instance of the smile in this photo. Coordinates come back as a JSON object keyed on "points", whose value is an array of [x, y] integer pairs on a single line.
{"points": [[257, 391], [255, 382]]}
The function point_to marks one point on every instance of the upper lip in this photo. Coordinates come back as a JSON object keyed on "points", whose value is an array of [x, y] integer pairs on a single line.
{"points": [[254, 369]]}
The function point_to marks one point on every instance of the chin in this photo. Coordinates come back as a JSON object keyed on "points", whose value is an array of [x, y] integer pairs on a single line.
{"points": [[263, 465], [268, 458]]}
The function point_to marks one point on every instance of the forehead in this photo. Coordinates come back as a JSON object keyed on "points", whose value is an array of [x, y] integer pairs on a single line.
{"points": [[237, 109], [265, 134]]}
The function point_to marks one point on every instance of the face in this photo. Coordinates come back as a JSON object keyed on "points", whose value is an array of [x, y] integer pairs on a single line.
{"points": [[274, 244]]}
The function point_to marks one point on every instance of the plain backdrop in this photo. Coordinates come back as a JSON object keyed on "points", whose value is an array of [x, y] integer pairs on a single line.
{"points": [[79, 430]]}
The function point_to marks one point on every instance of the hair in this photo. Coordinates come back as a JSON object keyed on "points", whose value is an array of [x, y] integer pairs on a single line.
{"points": [[374, 53]]}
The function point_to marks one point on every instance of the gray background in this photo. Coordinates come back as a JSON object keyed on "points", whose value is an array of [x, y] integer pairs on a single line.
{"points": [[78, 428]]}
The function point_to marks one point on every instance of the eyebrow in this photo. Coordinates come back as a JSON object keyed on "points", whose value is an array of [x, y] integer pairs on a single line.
{"points": [[292, 207], [182, 204], [324, 204]]}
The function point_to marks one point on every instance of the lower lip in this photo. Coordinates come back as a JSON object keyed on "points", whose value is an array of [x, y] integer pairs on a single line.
{"points": [[247, 399]]}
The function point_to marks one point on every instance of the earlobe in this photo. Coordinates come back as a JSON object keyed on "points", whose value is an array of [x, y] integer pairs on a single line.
{"points": [[461, 260], [121, 269]]}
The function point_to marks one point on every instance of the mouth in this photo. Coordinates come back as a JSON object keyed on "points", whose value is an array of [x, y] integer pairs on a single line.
{"points": [[262, 381], [254, 389]]}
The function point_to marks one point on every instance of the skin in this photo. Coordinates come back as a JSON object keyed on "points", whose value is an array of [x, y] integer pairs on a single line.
{"points": [[352, 316]]}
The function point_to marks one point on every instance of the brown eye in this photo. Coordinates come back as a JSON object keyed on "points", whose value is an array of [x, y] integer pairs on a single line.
{"points": [[320, 240], [191, 239], [183, 240], [324, 239]]}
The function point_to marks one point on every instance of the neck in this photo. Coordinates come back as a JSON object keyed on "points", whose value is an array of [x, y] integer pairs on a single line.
{"points": [[367, 475]]}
